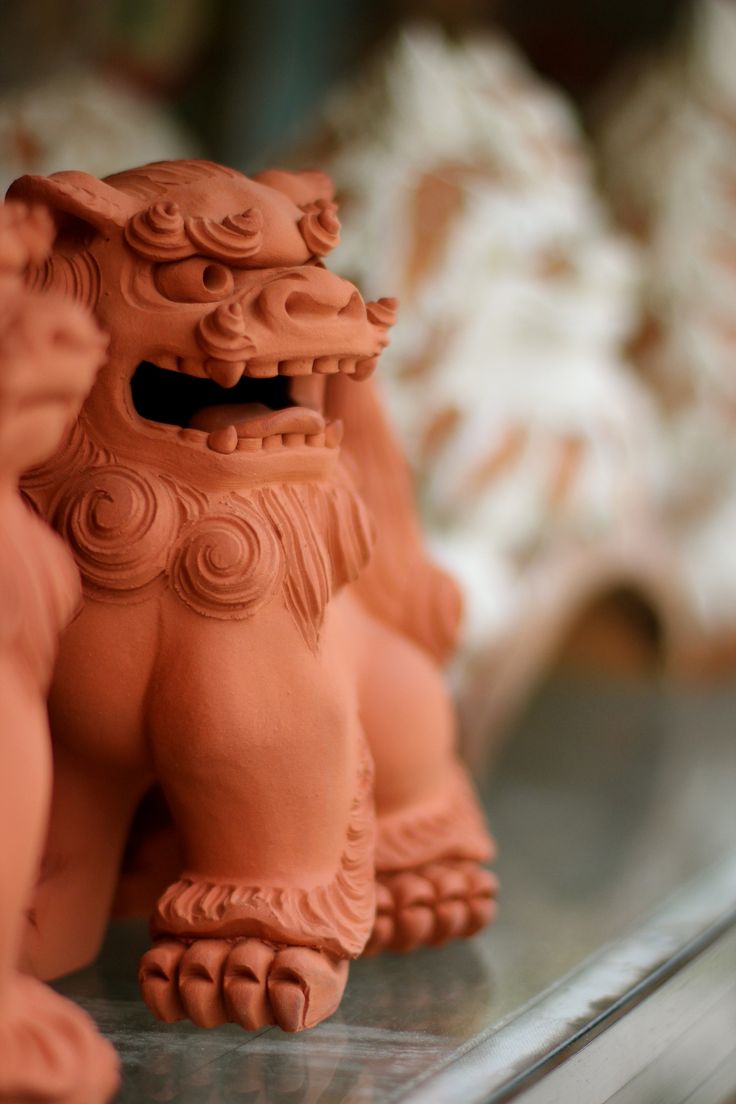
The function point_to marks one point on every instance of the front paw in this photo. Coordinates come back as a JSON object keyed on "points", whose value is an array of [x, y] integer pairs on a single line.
{"points": [[243, 981]]}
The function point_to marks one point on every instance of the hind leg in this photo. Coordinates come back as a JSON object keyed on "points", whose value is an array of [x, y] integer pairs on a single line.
{"points": [[101, 768], [432, 842]]}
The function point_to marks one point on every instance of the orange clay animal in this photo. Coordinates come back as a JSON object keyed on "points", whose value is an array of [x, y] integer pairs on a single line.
{"points": [[50, 350], [242, 643]]}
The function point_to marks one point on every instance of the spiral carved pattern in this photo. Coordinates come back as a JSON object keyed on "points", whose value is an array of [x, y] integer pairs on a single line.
{"points": [[227, 565], [162, 233], [221, 333], [320, 227], [158, 233], [119, 526], [236, 238], [382, 312]]}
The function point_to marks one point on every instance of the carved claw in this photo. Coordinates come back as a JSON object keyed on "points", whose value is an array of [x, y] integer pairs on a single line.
{"points": [[200, 981], [431, 905], [248, 982], [157, 977], [305, 987]]}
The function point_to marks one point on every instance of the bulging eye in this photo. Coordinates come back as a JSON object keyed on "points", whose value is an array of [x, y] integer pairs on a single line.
{"points": [[195, 280]]}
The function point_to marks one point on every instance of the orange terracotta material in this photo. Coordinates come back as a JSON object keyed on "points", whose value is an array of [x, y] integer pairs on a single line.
{"points": [[49, 352], [243, 643]]}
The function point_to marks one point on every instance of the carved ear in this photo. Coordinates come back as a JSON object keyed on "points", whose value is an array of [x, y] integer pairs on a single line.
{"points": [[302, 187], [77, 194]]}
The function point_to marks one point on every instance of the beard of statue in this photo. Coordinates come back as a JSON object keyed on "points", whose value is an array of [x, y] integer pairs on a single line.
{"points": [[135, 532]]}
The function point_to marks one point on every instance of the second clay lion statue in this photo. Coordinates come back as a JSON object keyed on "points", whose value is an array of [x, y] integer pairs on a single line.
{"points": [[243, 641], [50, 350]]}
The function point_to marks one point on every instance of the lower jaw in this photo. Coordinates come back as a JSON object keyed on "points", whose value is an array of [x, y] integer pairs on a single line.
{"points": [[184, 457], [228, 439]]}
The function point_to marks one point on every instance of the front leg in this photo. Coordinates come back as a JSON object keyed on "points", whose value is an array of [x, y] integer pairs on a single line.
{"points": [[257, 744]]}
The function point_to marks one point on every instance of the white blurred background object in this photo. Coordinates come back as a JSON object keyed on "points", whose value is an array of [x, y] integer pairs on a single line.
{"points": [[668, 140], [468, 192], [86, 121]]}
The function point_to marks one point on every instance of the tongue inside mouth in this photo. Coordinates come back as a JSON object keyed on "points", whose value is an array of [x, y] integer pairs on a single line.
{"points": [[257, 420]]}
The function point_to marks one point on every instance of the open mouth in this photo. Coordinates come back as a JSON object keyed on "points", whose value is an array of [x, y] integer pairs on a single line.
{"points": [[256, 413]]}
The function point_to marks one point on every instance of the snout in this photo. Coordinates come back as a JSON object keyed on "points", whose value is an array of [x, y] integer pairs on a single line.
{"points": [[310, 312], [311, 296], [292, 323]]}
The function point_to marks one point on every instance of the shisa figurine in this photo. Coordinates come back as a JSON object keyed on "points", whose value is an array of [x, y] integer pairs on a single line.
{"points": [[241, 643], [50, 349], [468, 188], [669, 161]]}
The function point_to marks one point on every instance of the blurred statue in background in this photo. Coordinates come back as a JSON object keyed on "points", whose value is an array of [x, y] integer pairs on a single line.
{"points": [[669, 157], [82, 118], [49, 353], [536, 452], [243, 641], [86, 84]]}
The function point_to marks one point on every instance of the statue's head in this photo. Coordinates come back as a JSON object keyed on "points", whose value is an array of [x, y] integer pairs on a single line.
{"points": [[225, 327], [203, 462], [50, 349]]}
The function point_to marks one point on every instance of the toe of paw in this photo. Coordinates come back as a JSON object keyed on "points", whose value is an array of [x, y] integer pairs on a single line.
{"points": [[481, 913], [289, 1002], [448, 881], [414, 927], [382, 935], [158, 980], [305, 987], [409, 889], [482, 882], [200, 981], [246, 1003], [384, 898], [161, 962], [244, 985], [451, 921]]}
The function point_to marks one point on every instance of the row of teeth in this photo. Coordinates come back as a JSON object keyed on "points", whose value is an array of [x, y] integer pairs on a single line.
{"points": [[226, 440], [227, 373]]}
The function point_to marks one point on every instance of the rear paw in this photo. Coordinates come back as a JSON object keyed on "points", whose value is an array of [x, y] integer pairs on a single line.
{"points": [[432, 904], [246, 981]]}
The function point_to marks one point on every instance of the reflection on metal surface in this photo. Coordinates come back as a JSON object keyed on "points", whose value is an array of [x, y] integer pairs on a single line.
{"points": [[690, 938], [607, 801], [667, 1048]]}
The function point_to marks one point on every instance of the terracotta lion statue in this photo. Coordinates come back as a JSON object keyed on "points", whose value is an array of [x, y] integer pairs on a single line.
{"points": [[50, 350], [261, 631]]}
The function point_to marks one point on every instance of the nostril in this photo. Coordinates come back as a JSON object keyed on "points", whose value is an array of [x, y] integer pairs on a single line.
{"points": [[298, 305], [215, 277]]}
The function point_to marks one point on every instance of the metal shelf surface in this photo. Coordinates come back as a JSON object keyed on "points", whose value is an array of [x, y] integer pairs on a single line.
{"points": [[609, 976]]}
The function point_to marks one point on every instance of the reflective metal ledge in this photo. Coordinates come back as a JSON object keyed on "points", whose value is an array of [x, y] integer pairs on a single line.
{"points": [[655, 1012], [610, 975]]}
